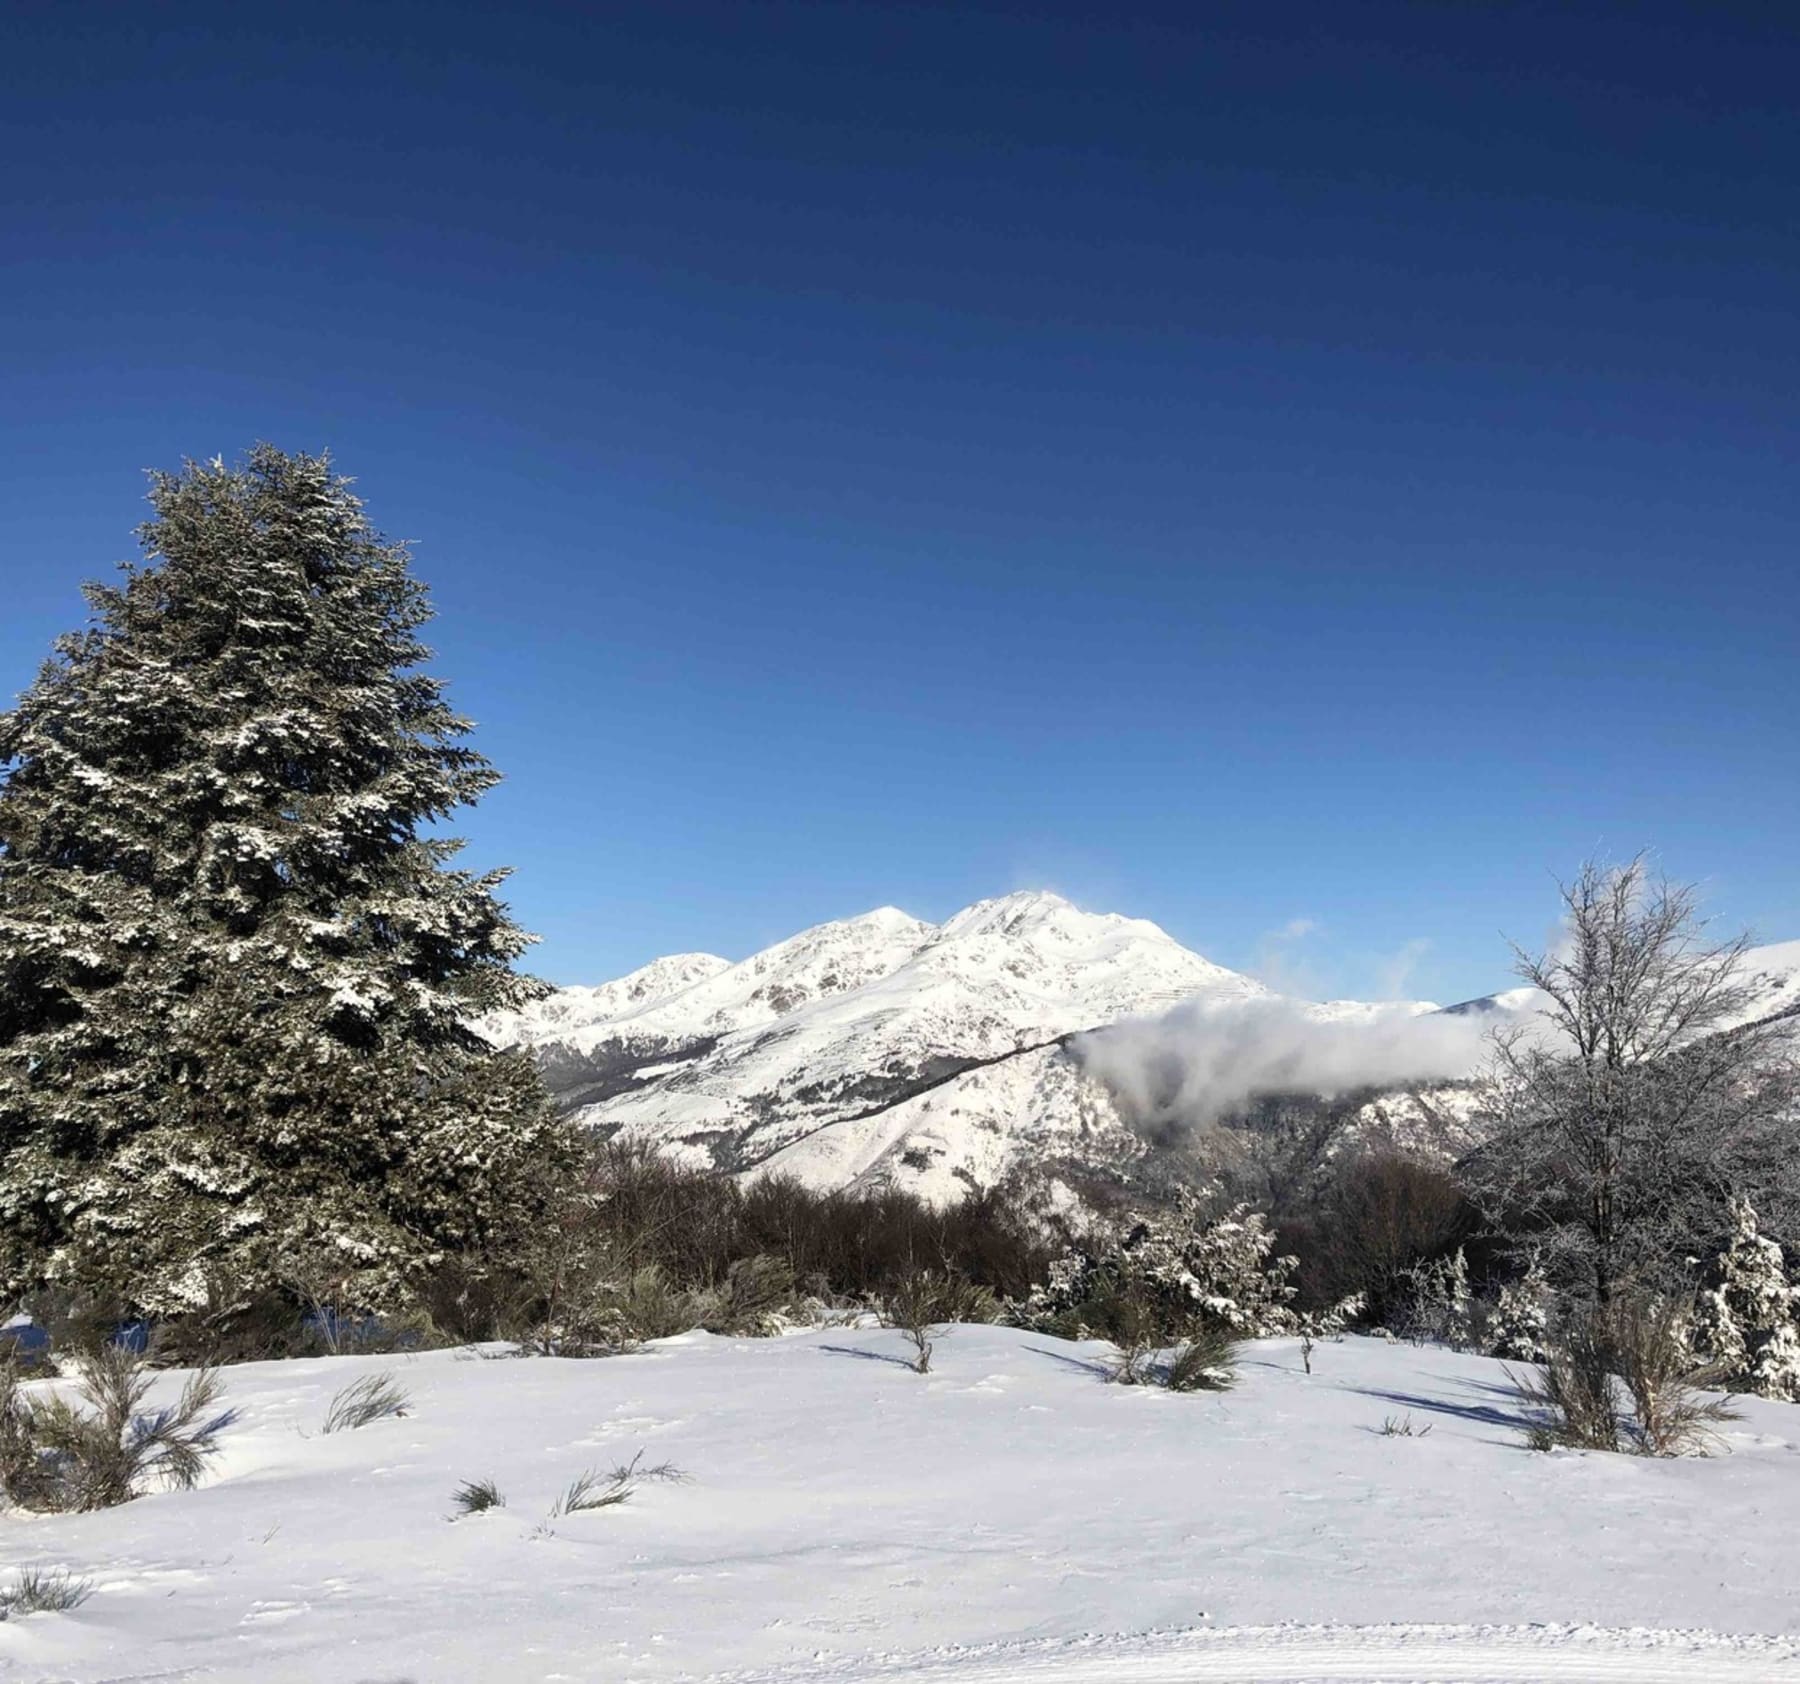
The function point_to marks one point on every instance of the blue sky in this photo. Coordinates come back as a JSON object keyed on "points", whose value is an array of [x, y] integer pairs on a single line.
{"points": [[1306, 474]]}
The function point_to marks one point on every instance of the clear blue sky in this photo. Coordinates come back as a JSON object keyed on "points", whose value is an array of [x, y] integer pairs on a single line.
{"points": [[1251, 466]]}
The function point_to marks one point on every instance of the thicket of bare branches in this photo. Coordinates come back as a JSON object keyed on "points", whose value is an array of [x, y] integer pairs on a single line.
{"points": [[1623, 1377]]}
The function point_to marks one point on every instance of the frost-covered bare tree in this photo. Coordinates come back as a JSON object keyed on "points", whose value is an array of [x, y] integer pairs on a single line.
{"points": [[1643, 1099]]}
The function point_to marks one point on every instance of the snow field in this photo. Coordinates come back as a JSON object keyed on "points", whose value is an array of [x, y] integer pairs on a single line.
{"points": [[1009, 1516], [1397, 1654]]}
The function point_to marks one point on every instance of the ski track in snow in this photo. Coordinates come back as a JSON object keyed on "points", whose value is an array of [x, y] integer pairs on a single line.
{"points": [[1546, 1654]]}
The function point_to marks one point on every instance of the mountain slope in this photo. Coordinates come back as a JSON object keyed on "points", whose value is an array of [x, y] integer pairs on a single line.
{"points": [[879, 1046], [570, 1010], [938, 1056]]}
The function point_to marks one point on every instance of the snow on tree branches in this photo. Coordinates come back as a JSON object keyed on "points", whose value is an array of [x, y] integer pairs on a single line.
{"points": [[1442, 1308], [1748, 1323], [236, 971], [1520, 1328], [1644, 1084], [1180, 1270]]}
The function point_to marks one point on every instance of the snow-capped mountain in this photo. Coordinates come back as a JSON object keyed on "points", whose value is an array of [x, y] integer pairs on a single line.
{"points": [[881, 1045], [570, 1010], [941, 1055], [1772, 974]]}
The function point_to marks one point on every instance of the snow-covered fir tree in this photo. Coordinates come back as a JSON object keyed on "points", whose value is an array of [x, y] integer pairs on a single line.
{"points": [[236, 964], [1748, 1322], [1520, 1329]]}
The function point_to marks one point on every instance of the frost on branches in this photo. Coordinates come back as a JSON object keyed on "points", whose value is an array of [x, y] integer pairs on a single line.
{"points": [[1186, 1269], [1748, 1323], [235, 970], [1442, 1308]]}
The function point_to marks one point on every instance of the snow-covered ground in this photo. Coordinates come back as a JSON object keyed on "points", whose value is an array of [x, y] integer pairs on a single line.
{"points": [[1008, 1517]]}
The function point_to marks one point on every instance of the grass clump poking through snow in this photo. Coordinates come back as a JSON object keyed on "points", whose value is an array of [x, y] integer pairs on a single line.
{"points": [[372, 1398], [589, 1491], [477, 1496], [1205, 1363], [1205, 1360], [44, 1591], [592, 1490], [1623, 1379], [56, 1457]]}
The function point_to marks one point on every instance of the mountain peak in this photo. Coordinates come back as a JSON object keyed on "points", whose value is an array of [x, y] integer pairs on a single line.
{"points": [[1012, 914]]}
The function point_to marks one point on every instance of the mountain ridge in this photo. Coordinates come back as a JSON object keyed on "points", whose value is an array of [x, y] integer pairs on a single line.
{"points": [[937, 1056]]}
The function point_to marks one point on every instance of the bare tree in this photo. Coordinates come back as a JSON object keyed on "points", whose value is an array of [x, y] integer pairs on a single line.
{"points": [[1642, 1098]]}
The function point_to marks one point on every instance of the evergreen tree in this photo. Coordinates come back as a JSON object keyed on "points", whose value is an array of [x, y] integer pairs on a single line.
{"points": [[236, 965], [1748, 1324], [1520, 1331]]}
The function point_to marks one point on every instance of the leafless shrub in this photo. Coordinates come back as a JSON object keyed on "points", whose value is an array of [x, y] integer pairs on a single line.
{"points": [[56, 1457], [40, 1590], [1671, 1416], [372, 1398], [915, 1305], [1376, 1217], [1623, 1378], [937, 1295], [638, 1246], [1573, 1393]]}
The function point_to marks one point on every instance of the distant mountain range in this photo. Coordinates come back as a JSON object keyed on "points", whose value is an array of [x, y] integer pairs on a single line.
{"points": [[934, 1056]]}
